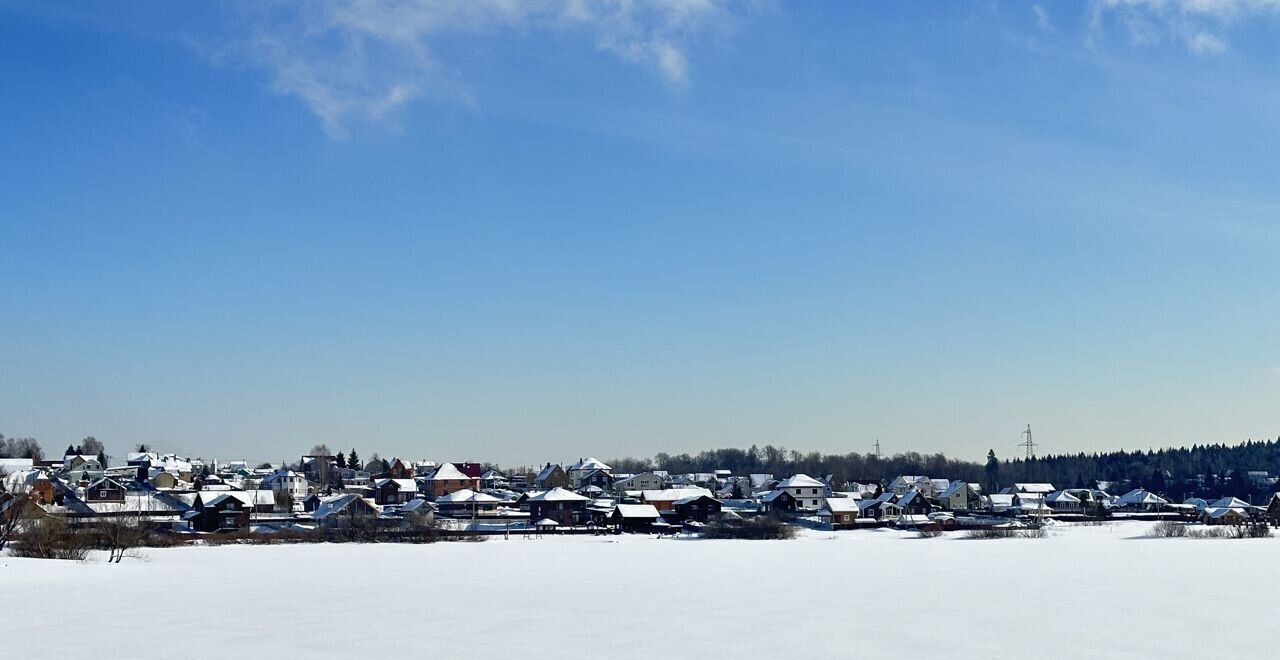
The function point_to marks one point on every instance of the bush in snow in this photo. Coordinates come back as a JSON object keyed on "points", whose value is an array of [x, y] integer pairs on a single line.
{"points": [[1208, 533], [758, 528], [51, 538], [991, 533], [931, 531], [1169, 529]]}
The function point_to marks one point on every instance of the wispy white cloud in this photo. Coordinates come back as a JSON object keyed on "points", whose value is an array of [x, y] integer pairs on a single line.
{"points": [[360, 61], [1201, 26], [1042, 17]]}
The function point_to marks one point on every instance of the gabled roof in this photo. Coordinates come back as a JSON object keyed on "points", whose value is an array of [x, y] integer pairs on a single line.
{"points": [[403, 485], [1139, 496], [558, 494], [843, 505], [910, 497], [1229, 503], [547, 472], [672, 494], [638, 511], [590, 464], [1061, 496], [333, 505], [448, 472], [775, 494], [414, 505], [801, 481], [954, 488], [466, 495], [691, 498], [1034, 487]]}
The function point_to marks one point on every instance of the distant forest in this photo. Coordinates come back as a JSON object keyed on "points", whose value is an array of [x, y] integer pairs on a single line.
{"points": [[1202, 470]]}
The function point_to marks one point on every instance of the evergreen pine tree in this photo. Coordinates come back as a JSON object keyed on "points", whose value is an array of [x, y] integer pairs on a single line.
{"points": [[992, 471]]}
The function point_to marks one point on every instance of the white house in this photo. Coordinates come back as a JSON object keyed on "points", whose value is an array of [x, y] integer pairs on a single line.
{"points": [[903, 483], [586, 466], [1063, 501], [961, 496], [809, 493], [641, 481]]}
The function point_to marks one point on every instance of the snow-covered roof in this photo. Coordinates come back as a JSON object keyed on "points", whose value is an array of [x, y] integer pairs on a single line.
{"points": [[843, 505], [637, 511], [333, 505], [414, 505], [405, 485], [590, 464], [673, 494], [1138, 496], [546, 473], [1042, 488], [558, 494], [448, 472], [689, 498], [910, 497], [1218, 512], [1061, 496], [16, 464], [468, 496], [1229, 503], [801, 481], [953, 489]]}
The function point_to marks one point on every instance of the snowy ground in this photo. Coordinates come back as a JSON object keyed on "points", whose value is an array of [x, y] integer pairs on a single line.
{"points": [[1085, 592]]}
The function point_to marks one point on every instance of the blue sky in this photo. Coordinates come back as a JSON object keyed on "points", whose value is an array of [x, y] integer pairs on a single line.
{"points": [[538, 231]]}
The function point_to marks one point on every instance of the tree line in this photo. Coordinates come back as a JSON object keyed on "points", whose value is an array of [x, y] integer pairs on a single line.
{"points": [[1200, 470]]}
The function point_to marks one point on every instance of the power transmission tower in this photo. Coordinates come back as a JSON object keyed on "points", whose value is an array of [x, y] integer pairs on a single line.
{"points": [[877, 449], [1030, 446]]}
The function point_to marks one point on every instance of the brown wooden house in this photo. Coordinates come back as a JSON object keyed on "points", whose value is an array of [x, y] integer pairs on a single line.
{"points": [[221, 513], [697, 507], [104, 490]]}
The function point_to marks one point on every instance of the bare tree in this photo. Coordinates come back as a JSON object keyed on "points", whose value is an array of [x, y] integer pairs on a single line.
{"points": [[15, 510], [50, 537], [120, 535], [284, 498]]}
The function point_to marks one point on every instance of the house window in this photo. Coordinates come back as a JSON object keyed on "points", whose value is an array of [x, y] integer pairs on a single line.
{"points": [[815, 491]]}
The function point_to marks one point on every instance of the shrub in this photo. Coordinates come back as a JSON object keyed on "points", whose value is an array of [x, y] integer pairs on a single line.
{"points": [[991, 533], [1208, 533], [52, 538], [1249, 530], [1169, 529], [758, 528], [1034, 533], [930, 531]]}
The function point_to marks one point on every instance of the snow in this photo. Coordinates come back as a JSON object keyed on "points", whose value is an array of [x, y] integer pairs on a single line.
{"points": [[287, 602]]}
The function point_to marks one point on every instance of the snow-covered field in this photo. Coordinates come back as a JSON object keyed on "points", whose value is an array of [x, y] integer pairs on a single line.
{"points": [[1085, 592]]}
